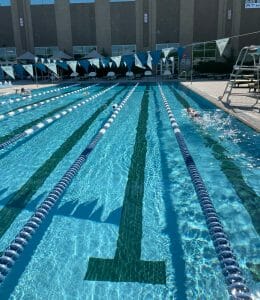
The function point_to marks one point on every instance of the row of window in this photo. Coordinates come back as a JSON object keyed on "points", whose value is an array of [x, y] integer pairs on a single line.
{"points": [[42, 2], [200, 51]]}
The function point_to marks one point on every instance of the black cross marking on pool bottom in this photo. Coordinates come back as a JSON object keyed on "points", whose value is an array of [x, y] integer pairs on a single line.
{"points": [[127, 265]]}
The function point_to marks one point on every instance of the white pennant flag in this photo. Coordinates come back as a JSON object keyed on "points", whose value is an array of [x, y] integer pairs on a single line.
{"points": [[166, 51], [110, 64], [221, 44], [42, 60], [48, 60], [29, 69], [52, 67], [138, 62], [94, 62], [73, 65], [149, 61], [164, 60], [8, 70], [117, 60]]}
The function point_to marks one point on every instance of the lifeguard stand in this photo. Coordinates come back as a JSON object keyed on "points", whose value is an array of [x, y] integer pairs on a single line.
{"points": [[245, 73]]}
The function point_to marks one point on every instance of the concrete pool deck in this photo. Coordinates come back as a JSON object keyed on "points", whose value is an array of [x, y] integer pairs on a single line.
{"points": [[243, 105]]}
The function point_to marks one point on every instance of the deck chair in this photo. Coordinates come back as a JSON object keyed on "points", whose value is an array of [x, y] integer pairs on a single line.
{"points": [[130, 75], [148, 73], [111, 75], [92, 75]]}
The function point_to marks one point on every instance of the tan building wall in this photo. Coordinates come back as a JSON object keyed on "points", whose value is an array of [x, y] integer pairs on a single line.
{"points": [[104, 23], [83, 14], [6, 29], [63, 25], [123, 27], [167, 21], [206, 20], [250, 21], [44, 32]]}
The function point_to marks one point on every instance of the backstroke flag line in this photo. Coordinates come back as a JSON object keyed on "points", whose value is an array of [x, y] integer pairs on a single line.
{"points": [[29, 69], [8, 70], [52, 67], [221, 44]]}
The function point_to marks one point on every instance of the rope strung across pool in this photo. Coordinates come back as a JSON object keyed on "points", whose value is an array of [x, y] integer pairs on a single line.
{"points": [[51, 119], [12, 100], [18, 99], [27, 107], [14, 250], [236, 283]]}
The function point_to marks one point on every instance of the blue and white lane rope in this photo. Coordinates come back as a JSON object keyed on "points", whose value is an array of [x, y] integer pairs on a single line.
{"points": [[237, 287], [18, 99], [41, 103], [52, 119], [16, 247]]}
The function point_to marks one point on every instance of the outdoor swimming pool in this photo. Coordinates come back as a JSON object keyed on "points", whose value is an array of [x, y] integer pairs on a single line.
{"points": [[130, 224]]}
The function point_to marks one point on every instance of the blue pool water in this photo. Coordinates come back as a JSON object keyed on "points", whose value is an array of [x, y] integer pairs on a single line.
{"points": [[85, 223]]}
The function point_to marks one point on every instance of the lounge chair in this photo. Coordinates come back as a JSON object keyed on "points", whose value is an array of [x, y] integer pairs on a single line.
{"points": [[111, 75], [129, 75], [92, 75], [148, 73]]}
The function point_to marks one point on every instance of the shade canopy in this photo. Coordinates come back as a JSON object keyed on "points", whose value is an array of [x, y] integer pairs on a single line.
{"points": [[26, 56], [93, 54], [60, 55]]}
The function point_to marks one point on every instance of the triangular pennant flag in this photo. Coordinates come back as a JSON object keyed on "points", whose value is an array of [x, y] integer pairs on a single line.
{"points": [[116, 60], [221, 44], [62, 64], [94, 62], [48, 60], [52, 67], [110, 64], [18, 71], [41, 67], [138, 62], [156, 55], [35, 59], [42, 60], [29, 69], [149, 61], [180, 52], [166, 51], [164, 60], [73, 65], [84, 64], [8, 70]]}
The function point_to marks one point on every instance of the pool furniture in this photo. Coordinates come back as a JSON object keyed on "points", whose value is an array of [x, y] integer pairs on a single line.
{"points": [[111, 75]]}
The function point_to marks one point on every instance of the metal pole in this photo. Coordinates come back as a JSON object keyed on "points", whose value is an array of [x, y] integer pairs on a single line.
{"points": [[36, 76], [191, 64]]}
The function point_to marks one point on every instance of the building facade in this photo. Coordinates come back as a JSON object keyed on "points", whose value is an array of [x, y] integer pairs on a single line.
{"points": [[116, 27]]}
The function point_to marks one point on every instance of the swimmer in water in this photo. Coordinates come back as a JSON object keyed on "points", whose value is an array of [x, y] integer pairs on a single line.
{"points": [[192, 112]]}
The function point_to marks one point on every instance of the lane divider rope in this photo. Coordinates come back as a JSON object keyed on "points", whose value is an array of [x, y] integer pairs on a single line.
{"points": [[52, 119], [13, 100], [16, 247], [235, 281], [40, 103]]}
